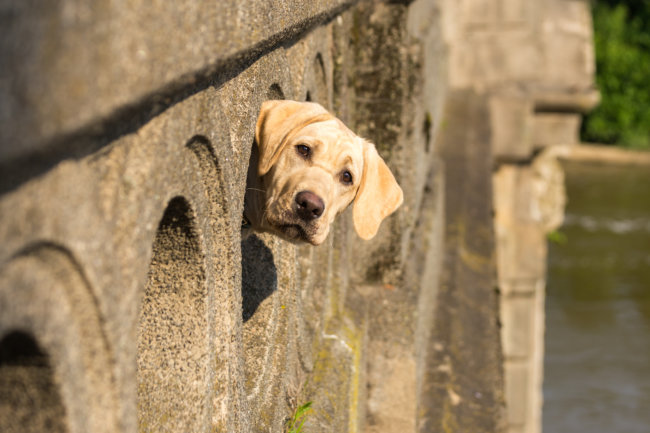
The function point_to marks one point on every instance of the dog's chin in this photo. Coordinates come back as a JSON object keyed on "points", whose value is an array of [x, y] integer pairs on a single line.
{"points": [[294, 231]]}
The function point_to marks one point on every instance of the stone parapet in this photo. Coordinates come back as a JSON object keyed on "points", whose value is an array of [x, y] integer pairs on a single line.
{"points": [[128, 299], [75, 65]]}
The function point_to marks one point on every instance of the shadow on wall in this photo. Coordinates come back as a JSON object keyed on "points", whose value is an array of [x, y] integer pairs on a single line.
{"points": [[259, 275], [31, 400]]}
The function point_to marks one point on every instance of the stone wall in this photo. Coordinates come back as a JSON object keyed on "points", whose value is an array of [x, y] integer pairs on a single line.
{"points": [[129, 302]]}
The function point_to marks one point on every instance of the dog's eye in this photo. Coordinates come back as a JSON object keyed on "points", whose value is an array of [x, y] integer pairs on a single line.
{"points": [[346, 177], [303, 150]]}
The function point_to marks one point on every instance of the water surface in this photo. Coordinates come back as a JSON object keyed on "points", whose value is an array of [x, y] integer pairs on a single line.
{"points": [[597, 362]]}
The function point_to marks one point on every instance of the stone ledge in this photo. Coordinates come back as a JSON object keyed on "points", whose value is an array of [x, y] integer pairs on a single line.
{"points": [[603, 154], [567, 102], [104, 59]]}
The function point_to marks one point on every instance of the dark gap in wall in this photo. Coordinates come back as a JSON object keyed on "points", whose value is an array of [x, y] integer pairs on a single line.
{"points": [[19, 348], [253, 189], [319, 66], [259, 275], [29, 398], [275, 92], [320, 81], [557, 108], [426, 129], [520, 162]]}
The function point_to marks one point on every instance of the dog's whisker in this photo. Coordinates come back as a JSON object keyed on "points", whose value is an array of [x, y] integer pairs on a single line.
{"points": [[264, 213], [255, 189]]}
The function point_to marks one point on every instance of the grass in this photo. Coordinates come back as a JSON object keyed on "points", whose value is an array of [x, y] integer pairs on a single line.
{"points": [[557, 237], [297, 420]]}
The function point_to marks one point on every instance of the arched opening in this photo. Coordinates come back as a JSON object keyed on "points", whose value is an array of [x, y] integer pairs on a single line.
{"points": [[275, 92], [319, 92], [30, 400], [173, 349]]}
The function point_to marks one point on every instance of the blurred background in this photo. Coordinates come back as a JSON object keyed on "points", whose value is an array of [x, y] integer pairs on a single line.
{"points": [[622, 43], [597, 360]]}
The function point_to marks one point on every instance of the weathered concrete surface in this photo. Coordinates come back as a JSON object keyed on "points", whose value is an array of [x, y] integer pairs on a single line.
{"points": [[102, 57], [464, 370], [128, 301], [103, 214], [82, 75], [395, 103], [189, 328]]}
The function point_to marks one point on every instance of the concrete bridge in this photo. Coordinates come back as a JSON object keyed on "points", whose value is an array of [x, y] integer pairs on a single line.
{"points": [[128, 301]]}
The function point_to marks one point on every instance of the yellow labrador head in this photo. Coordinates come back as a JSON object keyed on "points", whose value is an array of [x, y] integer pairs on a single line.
{"points": [[312, 167]]}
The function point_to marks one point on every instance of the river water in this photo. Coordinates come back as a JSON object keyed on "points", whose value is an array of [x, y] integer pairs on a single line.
{"points": [[597, 361]]}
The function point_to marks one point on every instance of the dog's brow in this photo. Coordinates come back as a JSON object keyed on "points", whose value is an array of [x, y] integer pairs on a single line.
{"points": [[347, 160], [316, 119]]}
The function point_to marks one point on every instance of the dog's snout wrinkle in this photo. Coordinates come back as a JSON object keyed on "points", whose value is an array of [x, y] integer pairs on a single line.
{"points": [[309, 206]]}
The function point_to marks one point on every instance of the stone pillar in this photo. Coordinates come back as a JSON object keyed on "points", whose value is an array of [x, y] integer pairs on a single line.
{"points": [[529, 202], [534, 61]]}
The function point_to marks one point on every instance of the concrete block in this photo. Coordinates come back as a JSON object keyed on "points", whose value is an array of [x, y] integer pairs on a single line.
{"points": [[516, 12], [480, 12], [529, 202], [516, 381], [518, 318], [567, 40], [392, 385], [511, 127], [552, 129]]}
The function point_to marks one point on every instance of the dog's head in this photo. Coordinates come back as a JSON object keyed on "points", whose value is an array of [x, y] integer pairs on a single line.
{"points": [[312, 167]]}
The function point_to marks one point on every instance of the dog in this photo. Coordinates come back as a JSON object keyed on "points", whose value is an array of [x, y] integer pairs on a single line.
{"points": [[307, 168]]}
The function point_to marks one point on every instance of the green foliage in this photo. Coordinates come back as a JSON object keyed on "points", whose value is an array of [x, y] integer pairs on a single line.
{"points": [[622, 42], [295, 424], [557, 237]]}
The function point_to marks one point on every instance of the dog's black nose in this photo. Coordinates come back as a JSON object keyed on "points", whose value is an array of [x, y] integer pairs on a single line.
{"points": [[309, 206]]}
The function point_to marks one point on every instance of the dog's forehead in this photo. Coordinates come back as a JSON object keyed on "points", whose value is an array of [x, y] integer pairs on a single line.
{"points": [[333, 135]]}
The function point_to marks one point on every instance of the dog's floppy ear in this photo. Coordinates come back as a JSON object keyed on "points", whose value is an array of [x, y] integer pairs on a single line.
{"points": [[277, 122], [379, 194]]}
